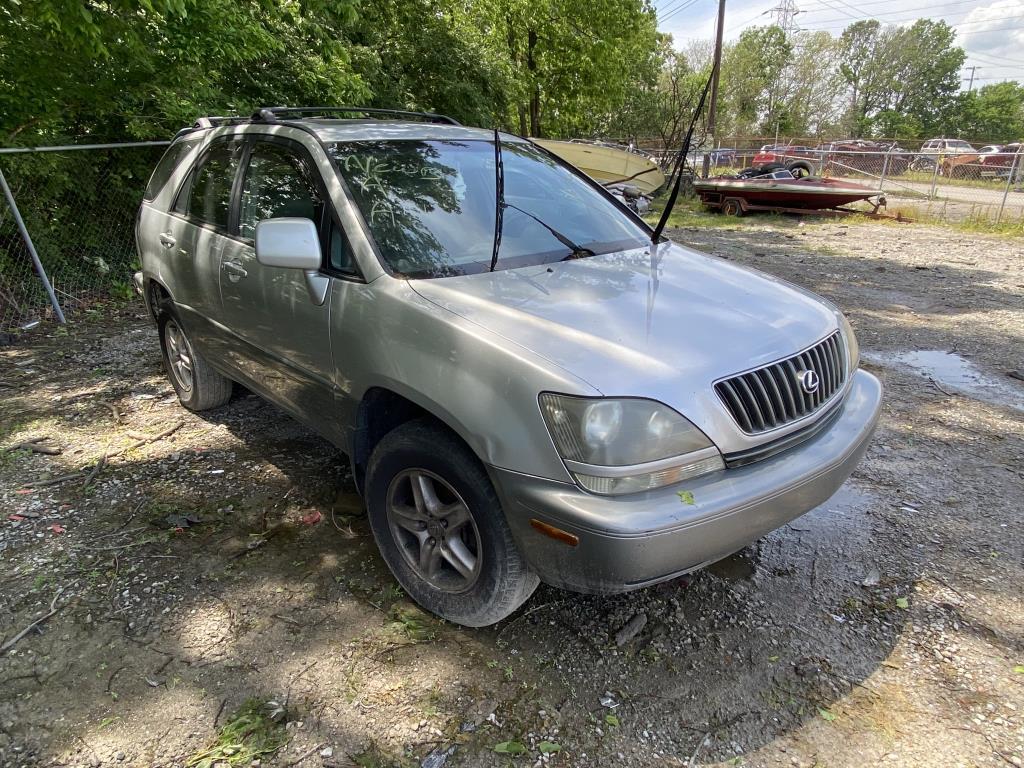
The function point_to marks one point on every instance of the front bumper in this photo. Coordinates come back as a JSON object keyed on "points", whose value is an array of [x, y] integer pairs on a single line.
{"points": [[632, 541]]}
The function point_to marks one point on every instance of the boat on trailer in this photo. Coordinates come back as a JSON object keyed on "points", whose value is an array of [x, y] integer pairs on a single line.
{"points": [[609, 164], [780, 191]]}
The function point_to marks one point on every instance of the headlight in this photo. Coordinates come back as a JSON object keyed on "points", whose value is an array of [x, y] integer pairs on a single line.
{"points": [[852, 347], [627, 445]]}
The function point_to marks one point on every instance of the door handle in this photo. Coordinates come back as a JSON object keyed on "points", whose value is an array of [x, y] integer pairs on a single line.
{"points": [[234, 269], [167, 240]]}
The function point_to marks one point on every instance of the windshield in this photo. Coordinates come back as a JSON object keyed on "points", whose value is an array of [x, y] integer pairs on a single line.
{"points": [[430, 205]]}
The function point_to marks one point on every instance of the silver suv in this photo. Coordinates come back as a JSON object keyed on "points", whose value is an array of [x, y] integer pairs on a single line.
{"points": [[527, 387]]}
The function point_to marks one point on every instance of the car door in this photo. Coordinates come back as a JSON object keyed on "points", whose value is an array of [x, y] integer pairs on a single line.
{"points": [[199, 228], [283, 334]]}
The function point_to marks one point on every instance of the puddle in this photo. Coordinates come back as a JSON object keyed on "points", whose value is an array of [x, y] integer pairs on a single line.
{"points": [[833, 540], [953, 372]]}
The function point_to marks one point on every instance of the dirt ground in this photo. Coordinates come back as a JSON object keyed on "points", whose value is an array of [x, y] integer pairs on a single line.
{"points": [[221, 561]]}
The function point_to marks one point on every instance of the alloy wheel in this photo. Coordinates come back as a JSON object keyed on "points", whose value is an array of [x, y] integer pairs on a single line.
{"points": [[179, 355], [434, 530]]}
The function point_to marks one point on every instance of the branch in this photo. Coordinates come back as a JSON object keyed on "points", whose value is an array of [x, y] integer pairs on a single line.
{"points": [[54, 608]]}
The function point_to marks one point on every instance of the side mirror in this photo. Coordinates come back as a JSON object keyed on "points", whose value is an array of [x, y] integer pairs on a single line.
{"points": [[287, 242], [293, 243]]}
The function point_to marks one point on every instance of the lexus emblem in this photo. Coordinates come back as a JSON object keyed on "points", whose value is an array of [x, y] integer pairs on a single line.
{"points": [[809, 381]]}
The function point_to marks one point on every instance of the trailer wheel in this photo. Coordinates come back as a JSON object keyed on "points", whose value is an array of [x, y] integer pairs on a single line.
{"points": [[732, 207]]}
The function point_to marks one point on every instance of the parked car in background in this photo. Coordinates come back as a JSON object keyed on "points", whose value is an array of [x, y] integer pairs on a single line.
{"points": [[1003, 160], [947, 147], [800, 160], [992, 161], [852, 156], [511, 411], [722, 156]]}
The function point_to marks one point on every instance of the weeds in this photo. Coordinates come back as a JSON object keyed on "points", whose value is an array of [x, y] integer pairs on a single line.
{"points": [[252, 732]]}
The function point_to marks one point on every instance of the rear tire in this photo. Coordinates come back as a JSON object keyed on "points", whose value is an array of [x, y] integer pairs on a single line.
{"points": [[424, 485], [199, 387]]}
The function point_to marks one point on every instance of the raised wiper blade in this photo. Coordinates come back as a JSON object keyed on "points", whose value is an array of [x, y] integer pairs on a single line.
{"points": [[499, 198]]}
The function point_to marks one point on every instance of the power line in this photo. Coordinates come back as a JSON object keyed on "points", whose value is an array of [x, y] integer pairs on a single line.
{"points": [[824, 8], [941, 17], [840, 10], [958, 25], [995, 57], [682, 7], [752, 18], [667, 7]]}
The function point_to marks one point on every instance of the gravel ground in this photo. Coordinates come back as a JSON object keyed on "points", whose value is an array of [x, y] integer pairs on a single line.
{"points": [[214, 560]]}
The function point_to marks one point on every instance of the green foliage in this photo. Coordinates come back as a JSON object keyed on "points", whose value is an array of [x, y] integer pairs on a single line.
{"points": [[144, 68], [753, 73], [248, 735], [903, 80], [993, 113], [510, 748]]}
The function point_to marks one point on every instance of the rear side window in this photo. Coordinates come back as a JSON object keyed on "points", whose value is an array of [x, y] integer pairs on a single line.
{"points": [[165, 168], [209, 193]]}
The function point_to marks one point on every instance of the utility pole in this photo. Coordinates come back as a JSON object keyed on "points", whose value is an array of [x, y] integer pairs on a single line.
{"points": [[713, 105], [970, 85]]}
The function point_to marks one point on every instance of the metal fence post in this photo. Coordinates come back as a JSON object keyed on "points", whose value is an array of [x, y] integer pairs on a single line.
{"points": [[935, 176], [885, 167], [31, 247], [1014, 167]]}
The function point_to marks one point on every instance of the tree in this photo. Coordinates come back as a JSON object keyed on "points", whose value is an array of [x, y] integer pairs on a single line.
{"points": [[901, 79], [813, 85], [993, 113], [573, 62], [752, 85]]}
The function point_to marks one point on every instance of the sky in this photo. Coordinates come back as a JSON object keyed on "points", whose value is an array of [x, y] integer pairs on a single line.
{"points": [[990, 31]]}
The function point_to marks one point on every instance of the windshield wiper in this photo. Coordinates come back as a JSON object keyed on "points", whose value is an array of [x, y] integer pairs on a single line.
{"points": [[577, 251], [499, 198]]}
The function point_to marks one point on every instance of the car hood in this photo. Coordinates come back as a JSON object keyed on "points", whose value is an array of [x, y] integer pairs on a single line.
{"points": [[662, 322]]}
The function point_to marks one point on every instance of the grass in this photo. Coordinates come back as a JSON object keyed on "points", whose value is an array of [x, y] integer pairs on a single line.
{"points": [[978, 221], [925, 177], [254, 731], [689, 212]]}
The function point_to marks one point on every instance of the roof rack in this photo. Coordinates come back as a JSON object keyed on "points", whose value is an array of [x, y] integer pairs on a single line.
{"points": [[277, 114], [274, 114]]}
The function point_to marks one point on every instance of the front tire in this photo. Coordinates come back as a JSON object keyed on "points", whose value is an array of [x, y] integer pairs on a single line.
{"points": [[199, 387], [439, 526]]}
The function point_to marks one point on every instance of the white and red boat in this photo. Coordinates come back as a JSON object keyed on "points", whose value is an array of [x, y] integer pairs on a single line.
{"points": [[779, 190]]}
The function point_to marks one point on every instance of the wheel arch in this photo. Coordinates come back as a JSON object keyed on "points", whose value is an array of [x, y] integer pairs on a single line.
{"points": [[153, 293], [381, 410]]}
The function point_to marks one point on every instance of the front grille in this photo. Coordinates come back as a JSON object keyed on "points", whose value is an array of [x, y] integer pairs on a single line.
{"points": [[774, 396]]}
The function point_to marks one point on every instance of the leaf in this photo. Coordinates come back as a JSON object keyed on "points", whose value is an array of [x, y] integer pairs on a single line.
{"points": [[686, 497], [549, 747], [773, 659], [902, 602], [612, 720], [826, 715], [509, 748], [1019, 669]]}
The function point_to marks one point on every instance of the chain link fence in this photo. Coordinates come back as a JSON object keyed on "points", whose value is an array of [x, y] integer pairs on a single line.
{"points": [[949, 180], [78, 205]]}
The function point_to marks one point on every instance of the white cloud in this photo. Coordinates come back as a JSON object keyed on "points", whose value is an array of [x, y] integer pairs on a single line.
{"points": [[996, 32]]}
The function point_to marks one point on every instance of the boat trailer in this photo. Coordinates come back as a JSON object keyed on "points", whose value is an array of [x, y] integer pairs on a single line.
{"points": [[732, 205]]}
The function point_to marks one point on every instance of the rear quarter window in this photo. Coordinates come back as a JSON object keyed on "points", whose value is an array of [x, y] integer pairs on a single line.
{"points": [[165, 168]]}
